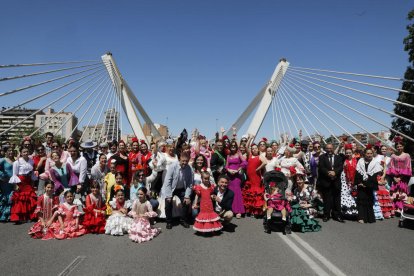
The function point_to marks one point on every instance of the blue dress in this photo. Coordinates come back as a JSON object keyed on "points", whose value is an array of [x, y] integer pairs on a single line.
{"points": [[6, 189]]}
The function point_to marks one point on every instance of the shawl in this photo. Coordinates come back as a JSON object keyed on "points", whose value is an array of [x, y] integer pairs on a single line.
{"points": [[373, 167]]}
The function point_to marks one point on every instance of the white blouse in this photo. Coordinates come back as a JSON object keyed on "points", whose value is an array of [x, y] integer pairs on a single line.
{"points": [[21, 167], [79, 167]]}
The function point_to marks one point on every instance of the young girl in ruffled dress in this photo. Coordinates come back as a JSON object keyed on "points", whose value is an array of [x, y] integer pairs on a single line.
{"points": [[118, 222], [95, 211], [275, 201], [207, 220], [141, 211], [46, 208], [68, 226]]}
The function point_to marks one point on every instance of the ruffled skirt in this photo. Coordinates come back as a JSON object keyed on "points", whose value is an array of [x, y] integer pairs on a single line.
{"points": [[37, 231], [302, 221], [142, 231], [253, 198], [385, 202], [94, 223], [377, 209], [23, 202], [348, 204], [69, 231], [117, 225], [207, 222]]}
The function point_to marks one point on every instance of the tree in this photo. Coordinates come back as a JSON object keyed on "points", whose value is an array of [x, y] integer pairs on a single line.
{"points": [[405, 111]]}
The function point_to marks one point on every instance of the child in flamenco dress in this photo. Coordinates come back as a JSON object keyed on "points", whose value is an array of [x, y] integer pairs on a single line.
{"points": [[46, 208], [118, 222], [141, 229], [95, 211], [207, 220], [68, 226], [276, 201]]}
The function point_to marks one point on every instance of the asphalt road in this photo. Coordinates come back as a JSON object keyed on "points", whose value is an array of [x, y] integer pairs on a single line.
{"points": [[338, 249]]}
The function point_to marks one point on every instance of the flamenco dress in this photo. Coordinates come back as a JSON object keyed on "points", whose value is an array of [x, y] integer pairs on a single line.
{"points": [[141, 229], [6, 189], [348, 204], [118, 224], [93, 221], [400, 166], [24, 198], [46, 208], [253, 190], [69, 214], [207, 220], [302, 219], [235, 163]]}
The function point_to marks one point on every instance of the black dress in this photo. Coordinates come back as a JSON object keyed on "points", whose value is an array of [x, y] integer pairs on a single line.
{"points": [[365, 198]]}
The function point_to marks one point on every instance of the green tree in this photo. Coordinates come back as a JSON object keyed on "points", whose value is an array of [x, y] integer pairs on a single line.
{"points": [[405, 111]]}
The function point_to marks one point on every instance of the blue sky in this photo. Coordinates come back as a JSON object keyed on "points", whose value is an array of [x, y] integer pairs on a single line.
{"points": [[200, 63]]}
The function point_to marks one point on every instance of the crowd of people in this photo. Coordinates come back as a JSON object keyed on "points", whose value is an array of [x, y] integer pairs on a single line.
{"points": [[119, 188]]}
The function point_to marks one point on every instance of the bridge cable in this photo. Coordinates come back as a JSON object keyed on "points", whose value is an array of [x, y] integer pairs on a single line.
{"points": [[49, 92], [94, 112], [358, 82], [44, 82], [87, 110], [60, 111], [45, 106], [355, 99], [370, 118], [47, 63], [354, 74], [356, 90], [46, 72], [294, 111], [290, 116]]}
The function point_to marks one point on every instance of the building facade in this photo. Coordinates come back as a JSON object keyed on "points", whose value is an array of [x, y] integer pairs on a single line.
{"points": [[61, 124], [13, 117]]}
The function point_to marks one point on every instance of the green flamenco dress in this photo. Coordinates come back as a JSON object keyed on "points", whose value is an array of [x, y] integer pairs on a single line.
{"points": [[301, 221]]}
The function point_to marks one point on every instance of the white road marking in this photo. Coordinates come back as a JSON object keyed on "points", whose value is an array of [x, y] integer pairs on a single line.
{"points": [[334, 269], [72, 265], [311, 263]]}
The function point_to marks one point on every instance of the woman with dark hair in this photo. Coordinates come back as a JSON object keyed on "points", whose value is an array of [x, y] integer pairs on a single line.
{"points": [[253, 190], [348, 205], [305, 206], [122, 162], [39, 160], [366, 179], [79, 165], [235, 164], [400, 172], [24, 197], [62, 175], [6, 189], [98, 172]]}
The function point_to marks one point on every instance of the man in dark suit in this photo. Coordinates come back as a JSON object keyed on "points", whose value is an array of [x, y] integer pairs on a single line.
{"points": [[329, 183], [223, 199]]}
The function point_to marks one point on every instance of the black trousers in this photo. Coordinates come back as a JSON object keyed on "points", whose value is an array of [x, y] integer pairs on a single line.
{"points": [[169, 206], [331, 201]]}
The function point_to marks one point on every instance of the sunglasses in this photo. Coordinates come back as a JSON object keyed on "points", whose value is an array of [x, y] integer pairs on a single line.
{"points": [[40, 150]]}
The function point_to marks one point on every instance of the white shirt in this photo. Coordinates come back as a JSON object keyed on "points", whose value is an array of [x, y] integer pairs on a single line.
{"points": [[80, 167], [21, 167], [220, 196]]}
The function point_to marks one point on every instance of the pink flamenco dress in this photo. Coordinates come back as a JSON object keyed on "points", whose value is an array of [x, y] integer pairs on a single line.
{"points": [[24, 198], [141, 229], [94, 221], [253, 191], [207, 220], [400, 167], [69, 214], [46, 209]]}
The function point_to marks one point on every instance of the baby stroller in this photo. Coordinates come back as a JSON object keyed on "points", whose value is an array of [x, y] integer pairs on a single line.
{"points": [[276, 223], [408, 208]]}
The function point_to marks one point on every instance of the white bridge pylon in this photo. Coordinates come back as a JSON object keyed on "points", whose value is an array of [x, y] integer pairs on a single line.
{"points": [[262, 101], [129, 101]]}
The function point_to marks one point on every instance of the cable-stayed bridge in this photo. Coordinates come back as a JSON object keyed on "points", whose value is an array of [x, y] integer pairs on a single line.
{"points": [[299, 101]]}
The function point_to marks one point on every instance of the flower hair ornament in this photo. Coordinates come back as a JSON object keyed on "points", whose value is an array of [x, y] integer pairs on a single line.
{"points": [[292, 171], [348, 147], [397, 139], [118, 188], [272, 184], [142, 142], [368, 146], [134, 140]]}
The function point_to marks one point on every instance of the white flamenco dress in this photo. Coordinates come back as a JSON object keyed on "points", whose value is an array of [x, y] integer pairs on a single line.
{"points": [[118, 224]]}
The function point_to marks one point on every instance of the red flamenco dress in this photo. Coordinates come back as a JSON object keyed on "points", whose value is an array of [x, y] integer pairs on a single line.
{"points": [[94, 220], [45, 210], [384, 198], [253, 191], [207, 220], [69, 214], [24, 198]]}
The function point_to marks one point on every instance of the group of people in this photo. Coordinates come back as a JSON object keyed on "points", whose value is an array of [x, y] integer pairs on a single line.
{"points": [[122, 188]]}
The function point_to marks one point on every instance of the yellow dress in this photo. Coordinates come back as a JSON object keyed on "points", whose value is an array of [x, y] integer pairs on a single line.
{"points": [[109, 182]]}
